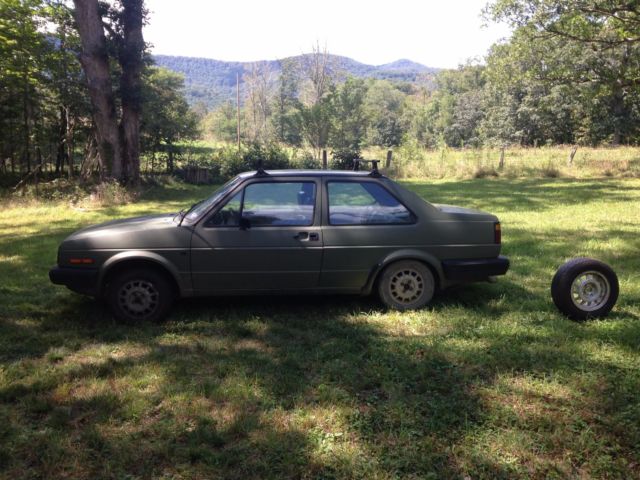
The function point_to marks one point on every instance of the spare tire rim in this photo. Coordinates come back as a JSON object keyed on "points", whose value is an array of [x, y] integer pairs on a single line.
{"points": [[590, 291], [406, 286], [139, 298]]}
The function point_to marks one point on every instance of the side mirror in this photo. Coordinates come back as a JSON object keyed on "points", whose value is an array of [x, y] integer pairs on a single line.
{"points": [[245, 223]]}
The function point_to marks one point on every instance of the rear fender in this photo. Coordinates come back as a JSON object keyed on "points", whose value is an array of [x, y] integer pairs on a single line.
{"points": [[408, 254]]}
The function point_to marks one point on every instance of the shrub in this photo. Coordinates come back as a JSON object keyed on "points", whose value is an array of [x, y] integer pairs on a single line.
{"points": [[343, 159], [305, 160], [484, 172], [232, 161]]}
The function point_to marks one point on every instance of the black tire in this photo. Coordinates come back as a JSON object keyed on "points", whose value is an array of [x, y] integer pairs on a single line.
{"points": [[406, 285], [140, 295], [585, 288]]}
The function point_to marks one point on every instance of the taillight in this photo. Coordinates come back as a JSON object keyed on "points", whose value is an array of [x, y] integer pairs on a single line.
{"points": [[497, 233]]}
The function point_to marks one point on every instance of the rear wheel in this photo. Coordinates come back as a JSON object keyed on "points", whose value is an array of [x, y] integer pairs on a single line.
{"points": [[406, 285], [139, 295]]}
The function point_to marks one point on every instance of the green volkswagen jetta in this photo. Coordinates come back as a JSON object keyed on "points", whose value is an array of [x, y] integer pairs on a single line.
{"points": [[286, 231]]}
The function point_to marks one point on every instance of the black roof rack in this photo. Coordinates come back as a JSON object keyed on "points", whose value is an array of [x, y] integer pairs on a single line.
{"points": [[374, 166], [260, 171]]}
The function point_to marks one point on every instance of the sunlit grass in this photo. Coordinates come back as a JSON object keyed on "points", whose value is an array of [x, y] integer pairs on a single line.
{"points": [[490, 381]]}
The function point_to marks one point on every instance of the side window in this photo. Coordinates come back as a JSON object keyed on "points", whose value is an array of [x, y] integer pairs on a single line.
{"points": [[229, 215], [364, 203], [279, 203]]}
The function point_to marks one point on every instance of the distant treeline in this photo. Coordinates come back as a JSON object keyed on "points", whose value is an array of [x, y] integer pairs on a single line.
{"points": [[570, 74]]}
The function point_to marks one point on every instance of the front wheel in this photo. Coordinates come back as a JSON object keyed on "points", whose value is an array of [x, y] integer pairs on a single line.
{"points": [[139, 295], [406, 285], [585, 288]]}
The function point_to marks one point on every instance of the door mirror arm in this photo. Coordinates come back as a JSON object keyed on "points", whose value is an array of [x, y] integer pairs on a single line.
{"points": [[245, 223]]}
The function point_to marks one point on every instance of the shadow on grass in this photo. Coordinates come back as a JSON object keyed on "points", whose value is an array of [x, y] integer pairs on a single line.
{"points": [[228, 388], [323, 387], [228, 385]]}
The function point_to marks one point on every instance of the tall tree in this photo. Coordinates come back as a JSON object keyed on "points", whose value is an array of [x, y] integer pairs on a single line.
{"points": [[166, 117], [349, 124], [287, 121], [95, 63], [259, 85], [315, 110], [119, 143], [131, 61], [592, 45], [384, 105]]}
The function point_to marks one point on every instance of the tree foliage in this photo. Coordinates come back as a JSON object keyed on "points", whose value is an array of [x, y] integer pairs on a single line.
{"points": [[46, 115]]}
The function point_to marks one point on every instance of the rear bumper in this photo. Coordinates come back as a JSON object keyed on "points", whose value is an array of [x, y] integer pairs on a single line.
{"points": [[80, 280], [475, 269]]}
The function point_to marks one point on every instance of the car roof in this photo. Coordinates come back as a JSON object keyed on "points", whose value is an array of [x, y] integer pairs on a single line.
{"points": [[310, 173]]}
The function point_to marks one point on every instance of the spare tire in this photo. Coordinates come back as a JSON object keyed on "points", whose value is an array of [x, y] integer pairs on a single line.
{"points": [[585, 288]]}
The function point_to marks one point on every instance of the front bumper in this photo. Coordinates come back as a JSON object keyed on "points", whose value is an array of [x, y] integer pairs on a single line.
{"points": [[475, 269], [80, 280]]}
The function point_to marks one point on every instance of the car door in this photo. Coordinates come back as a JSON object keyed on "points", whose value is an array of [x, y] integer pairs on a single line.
{"points": [[266, 236], [363, 223]]}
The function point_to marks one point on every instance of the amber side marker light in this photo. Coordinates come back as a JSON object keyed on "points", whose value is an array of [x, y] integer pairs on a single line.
{"points": [[81, 261], [497, 233]]}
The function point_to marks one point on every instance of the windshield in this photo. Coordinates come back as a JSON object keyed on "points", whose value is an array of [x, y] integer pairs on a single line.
{"points": [[200, 208]]}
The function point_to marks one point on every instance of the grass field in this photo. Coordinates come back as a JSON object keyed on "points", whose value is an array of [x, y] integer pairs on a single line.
{"points": [[413, 161], [488, 382]]}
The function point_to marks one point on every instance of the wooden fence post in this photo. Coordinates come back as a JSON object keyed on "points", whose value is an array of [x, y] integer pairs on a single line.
{"points": [[571, 155], [501, 163], [324, 160], [389, 156]]}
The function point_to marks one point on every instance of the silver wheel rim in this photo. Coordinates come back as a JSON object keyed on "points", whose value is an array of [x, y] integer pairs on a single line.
{"points": [[590, 291], [406, 286], [138, 298]]}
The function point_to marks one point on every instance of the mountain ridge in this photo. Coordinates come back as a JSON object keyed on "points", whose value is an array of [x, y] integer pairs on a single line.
{"points": [[212, 82]]}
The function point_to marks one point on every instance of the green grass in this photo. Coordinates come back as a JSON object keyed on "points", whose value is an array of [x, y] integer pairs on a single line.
{"points": [[411, 161], [489, 382]]}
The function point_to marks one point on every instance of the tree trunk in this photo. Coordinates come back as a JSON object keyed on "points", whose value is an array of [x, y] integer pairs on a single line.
{"points": [[130, 85], [69, 139], [61, 140], [170, 159], [25, 114], [95, 64]]}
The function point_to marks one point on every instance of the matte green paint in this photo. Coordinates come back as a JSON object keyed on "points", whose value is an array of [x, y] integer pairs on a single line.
{"points": [[318, 258]]}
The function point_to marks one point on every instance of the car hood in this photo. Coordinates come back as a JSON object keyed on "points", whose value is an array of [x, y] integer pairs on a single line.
{"points": [[148, 232], [455, 212]]}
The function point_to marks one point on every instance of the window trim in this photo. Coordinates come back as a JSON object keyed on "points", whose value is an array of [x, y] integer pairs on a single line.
{"points": [[223, 204], [414, 217], [246, 185]]}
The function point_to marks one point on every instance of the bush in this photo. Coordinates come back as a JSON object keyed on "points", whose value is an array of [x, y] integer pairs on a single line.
{"points": [[232, 161], [344, 159], [484, 172], [305, 160]]}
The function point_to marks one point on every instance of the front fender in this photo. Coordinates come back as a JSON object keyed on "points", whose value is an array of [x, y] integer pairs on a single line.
{"points": [[405, 254], [143, 255]]}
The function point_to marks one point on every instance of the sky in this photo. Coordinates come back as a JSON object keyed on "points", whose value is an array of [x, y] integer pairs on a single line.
{"points": [[436, 33]]}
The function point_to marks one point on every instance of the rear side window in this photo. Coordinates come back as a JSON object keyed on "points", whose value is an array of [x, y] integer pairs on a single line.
{"points": [[365, 203]]}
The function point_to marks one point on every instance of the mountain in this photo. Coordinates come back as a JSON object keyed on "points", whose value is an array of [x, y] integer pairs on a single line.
{"points": [[213, 82]]}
